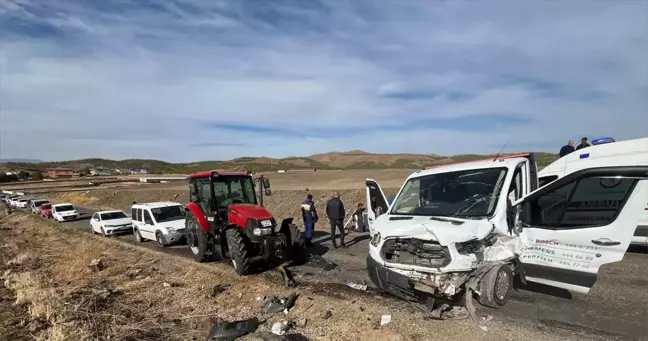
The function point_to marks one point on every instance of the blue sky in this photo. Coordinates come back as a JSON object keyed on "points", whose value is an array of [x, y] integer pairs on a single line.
{"points": [[211, 79]]}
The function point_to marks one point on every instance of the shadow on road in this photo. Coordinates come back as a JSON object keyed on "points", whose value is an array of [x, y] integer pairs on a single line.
{"points": [[542, 289]]}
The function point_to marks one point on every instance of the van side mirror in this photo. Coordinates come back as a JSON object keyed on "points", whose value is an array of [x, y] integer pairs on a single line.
{"points": [[266, 183]]}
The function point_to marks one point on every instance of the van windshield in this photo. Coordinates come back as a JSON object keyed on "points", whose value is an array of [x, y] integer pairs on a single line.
{"points": [[168, 213], [470, 193]]}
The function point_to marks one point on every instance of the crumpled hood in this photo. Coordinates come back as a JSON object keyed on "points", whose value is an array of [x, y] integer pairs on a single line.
{"points": [[424, 228]]}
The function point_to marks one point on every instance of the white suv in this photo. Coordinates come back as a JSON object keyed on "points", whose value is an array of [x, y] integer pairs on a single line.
{"points": [[64, 212], [163, 222]]}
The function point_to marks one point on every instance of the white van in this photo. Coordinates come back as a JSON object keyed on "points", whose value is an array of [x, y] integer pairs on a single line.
{"points": [[64, 212], [603, 152], [163, 222]]}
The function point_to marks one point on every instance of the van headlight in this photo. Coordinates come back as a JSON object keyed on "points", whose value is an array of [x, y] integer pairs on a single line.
{"points": [[375, 240], [170, 230]]}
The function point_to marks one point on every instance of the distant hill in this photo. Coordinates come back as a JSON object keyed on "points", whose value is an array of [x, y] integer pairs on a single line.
{"points": [[355, 159], [21, 160]]}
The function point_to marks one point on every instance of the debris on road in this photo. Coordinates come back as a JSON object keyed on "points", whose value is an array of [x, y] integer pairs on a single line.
{"points": [[97, 265], [301, 323], [358, 286], [230, 331], [385, 319], [218, 288], [327, 315], [319, 262], [287, 276], [280, 328], [278, 304]]}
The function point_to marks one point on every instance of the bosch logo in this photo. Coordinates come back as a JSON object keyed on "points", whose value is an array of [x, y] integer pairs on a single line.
{"points": [[547, 242]]}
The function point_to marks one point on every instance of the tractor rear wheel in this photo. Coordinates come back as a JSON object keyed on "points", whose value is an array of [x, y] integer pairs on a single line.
{"points": [[238, 251], [197, 240]]}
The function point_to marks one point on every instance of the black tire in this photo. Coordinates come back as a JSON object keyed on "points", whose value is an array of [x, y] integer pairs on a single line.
{"points": [[197, 240], [159, 237], [138, 235], [238, 251], [496, 286]]}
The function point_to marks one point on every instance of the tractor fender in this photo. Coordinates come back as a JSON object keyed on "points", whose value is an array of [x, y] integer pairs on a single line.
{"points": [[199, 214], [290, 230]]}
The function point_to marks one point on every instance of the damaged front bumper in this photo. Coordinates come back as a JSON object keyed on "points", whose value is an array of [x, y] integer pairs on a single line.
{"points": [[415, 288]]}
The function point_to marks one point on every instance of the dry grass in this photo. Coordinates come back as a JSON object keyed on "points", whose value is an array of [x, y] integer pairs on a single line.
{"points": [[77, 198]]}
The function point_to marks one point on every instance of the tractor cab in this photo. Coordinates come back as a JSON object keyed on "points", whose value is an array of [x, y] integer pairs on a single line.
{"points": [[214, 192], [225, 210]]}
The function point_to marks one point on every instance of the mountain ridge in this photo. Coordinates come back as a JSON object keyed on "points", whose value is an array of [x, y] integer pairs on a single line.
{"points": [[354, 159]]}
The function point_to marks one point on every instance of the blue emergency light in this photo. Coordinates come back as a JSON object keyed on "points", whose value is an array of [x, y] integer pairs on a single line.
{"points": [[602, 140]]}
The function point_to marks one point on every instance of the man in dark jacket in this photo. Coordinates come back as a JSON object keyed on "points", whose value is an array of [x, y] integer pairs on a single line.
{"points": [[583, 144], [568, 148], [335, 213], [309, 213]]}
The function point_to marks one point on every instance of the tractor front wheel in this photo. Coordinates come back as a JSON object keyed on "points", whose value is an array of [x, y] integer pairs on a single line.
{"points": [[238, 251], [197, 240]]}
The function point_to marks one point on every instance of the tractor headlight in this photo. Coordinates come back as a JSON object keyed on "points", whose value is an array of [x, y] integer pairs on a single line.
{"points": [[375, 240], [262, 231]]}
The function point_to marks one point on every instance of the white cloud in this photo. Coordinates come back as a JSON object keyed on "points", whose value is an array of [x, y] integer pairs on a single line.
{"points": [[144, 78]]}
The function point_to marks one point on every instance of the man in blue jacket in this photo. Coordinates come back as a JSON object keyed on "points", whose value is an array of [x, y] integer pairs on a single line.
{"points": [[309, 214], [335, 212]]}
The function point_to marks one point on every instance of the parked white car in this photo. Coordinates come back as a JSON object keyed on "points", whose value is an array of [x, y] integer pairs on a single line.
{"points": [[64, 212], [35, 204], [110, 222], [21, 203], [12, 201], [467, 229], [163, 222]]}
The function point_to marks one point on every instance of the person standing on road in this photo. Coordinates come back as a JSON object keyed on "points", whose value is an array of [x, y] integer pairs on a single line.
{"points": [[309, 213], [358, 216], [335, 213], [583, 144], [568, 148]]}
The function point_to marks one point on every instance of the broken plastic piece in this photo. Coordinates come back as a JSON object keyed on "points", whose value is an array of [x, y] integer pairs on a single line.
{"points": [[277, 304], [230, 331], [385, 319], [219, 288], [358, 286], [280, 328]]}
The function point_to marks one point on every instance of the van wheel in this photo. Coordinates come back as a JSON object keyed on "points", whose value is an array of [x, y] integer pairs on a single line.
{"points": [[138, 236], [160, 239], [496, 286]]}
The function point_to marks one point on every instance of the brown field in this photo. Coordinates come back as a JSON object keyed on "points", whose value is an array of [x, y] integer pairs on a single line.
{"points": [[288, 190]]}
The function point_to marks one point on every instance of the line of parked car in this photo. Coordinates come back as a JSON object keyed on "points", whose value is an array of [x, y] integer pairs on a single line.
{"points": [[163, 222], [60, 212]]}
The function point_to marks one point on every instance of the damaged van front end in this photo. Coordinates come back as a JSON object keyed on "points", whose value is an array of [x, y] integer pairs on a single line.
{"points": [[437, 257]]}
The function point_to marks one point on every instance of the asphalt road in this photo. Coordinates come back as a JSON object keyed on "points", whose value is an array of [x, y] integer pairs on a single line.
{"points": [[616, 308]]}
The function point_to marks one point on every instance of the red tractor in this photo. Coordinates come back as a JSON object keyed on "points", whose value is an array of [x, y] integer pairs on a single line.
{"points": [[224, 211]]}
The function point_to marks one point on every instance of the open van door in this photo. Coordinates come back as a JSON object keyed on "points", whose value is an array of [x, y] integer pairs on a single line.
{"points": [[574, 225], [376, 202]]}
